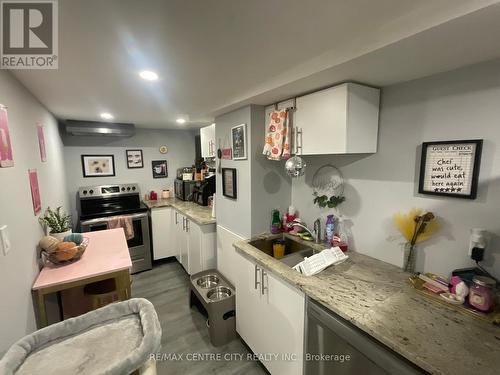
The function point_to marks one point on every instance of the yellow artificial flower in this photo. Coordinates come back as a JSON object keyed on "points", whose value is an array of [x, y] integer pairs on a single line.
{"points": [[407, 224]]}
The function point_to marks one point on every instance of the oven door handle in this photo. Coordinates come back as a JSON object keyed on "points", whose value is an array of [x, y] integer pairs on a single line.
{"points": [[106, 219]]}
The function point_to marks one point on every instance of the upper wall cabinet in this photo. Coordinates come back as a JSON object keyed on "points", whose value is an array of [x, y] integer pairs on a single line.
{"points": [[339, 120], [207, 139]]}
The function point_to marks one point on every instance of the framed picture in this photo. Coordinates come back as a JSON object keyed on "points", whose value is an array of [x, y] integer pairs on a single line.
{"points": [[159, 168], [229, 183], [450, 168], [6, 158], [134, 159], [239, 142], [35, 191], [41, 142], [98, 165]]}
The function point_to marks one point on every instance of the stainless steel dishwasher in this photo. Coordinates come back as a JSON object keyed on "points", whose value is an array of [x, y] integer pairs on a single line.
{"points": [[350, 350]]}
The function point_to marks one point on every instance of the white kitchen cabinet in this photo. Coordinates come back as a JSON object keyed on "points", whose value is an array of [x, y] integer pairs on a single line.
{"points": [[183, 242], [194, 244], [226, 254], [207, 139], [338, 120], [200, 247], [176, 233], [162, 228], [249, 310], [270, 317]]}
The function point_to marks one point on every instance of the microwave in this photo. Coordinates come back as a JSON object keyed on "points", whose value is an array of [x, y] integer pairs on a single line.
{"points": [[184, 189]]}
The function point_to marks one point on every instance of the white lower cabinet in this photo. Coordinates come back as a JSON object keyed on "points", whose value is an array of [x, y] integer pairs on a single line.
{"points": [[194, 244], [162, 228], [270, 317], [226, 252]]}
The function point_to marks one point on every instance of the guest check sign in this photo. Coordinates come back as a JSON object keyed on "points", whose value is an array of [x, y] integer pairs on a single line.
{"points": [[450, 168]]}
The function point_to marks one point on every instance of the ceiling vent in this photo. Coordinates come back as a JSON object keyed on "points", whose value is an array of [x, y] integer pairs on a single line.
{"points": [[93, 128]]}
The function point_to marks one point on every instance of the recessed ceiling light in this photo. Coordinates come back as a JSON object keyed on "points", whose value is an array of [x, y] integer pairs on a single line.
{"points": [[148, 75], [107, 116], [180, 121]]}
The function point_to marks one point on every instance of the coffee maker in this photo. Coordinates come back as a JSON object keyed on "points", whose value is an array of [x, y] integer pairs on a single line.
{"points": [[203, 190]]}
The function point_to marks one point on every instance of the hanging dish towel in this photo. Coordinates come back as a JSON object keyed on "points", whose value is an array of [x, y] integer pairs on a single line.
{"points": [[277, 144], [124, 222]]}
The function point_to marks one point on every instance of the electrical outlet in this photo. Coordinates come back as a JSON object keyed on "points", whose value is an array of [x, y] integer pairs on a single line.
{"points": [[4, 240]]}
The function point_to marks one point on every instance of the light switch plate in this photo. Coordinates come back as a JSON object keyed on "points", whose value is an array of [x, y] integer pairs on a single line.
{"points": [[4, 240]]}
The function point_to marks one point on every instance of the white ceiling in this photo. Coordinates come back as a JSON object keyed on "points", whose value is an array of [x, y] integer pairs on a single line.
{"points": [[215, 55]]}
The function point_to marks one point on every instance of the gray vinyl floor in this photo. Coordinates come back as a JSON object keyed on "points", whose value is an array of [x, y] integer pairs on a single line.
{"points": [[184, 329]]}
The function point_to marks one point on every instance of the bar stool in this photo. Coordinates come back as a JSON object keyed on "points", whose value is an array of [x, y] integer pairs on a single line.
{"points": [[105, 292]]}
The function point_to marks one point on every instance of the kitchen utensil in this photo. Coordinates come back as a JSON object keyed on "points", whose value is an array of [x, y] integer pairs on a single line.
{"points": [[296, 166], [219, 157]]}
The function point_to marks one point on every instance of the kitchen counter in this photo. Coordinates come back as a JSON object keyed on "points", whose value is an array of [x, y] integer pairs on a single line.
{"points": [[201, 215], [375, 297]]}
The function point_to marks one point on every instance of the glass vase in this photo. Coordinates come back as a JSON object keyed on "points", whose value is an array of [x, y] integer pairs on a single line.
{"points": [[410, 258]]}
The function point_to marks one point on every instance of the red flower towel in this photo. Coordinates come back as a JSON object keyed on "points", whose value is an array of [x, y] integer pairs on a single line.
{"points": [[277, 144]]}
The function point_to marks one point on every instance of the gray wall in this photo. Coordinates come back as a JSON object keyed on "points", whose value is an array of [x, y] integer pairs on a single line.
{"points": [[271, 187], [261, 184], [234, 214], [19, 268], [181, 153], [462, 104]]}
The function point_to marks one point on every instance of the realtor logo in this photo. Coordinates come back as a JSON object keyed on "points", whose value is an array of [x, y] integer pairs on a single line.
{"points": [[29, 37]]}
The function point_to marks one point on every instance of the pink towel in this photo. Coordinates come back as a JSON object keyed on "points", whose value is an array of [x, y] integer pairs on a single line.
{"points": [[277, 144], [124, 222]]}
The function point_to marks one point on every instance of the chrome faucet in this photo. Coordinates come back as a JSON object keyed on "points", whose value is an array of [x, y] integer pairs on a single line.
{"points": [[315, 233]]}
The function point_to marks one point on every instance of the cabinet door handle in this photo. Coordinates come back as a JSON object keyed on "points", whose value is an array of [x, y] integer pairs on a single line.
{"points": [[183, 223], [176, 219], [256, 280], [187, 225], [298, 140], [263, 288]]}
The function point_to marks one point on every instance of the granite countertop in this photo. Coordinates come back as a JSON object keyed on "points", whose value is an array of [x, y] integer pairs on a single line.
{"points": [[201, 215], [375, 297]]}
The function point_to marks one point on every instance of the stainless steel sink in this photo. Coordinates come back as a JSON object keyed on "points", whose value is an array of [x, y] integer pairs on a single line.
{"points": [[295, 251]]}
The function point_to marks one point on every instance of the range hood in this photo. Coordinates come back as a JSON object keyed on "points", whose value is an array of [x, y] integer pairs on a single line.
{"points": [[95, 128]]}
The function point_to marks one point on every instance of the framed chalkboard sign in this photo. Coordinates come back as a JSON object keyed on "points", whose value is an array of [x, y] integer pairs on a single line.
{"points": [[450, 168]]}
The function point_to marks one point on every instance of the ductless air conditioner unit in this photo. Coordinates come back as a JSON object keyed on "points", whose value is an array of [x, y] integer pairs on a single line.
{"points": [[94, 128]]}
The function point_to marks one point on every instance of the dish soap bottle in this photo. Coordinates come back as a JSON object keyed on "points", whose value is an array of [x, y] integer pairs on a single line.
{"points": [[275, 222], [329, 229]]}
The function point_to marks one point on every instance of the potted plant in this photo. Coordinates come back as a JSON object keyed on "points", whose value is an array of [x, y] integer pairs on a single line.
{"points": [[58, 223]]}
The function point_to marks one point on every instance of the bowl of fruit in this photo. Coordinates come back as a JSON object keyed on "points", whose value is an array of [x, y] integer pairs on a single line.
{"points": [[58, 252]]}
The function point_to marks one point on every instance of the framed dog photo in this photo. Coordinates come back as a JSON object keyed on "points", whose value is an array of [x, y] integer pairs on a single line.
{"points": [[98, 165], [134, 159], [160, 169]]}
